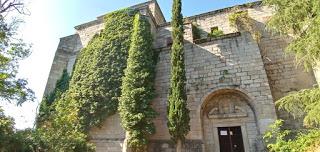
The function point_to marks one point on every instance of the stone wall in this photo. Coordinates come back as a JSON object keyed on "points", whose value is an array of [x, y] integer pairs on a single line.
{"points": [[256, 74], [283, 74], [110, 136], [229, 63], [64, 58], [169, 146], [156, 12]]}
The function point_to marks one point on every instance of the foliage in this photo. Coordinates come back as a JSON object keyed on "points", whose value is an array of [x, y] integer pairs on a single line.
{"points": [[12, 50], [178, 113], [94, 87], [97, 77], [46, 105], [63, 131], [62, 85], [215, 32], [242, 20], [137, 87], [6, 129], [12, 140], [304, 103], [301, 20], [278, 139], [196, 32]]}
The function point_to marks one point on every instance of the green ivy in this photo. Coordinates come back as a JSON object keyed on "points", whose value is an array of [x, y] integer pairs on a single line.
{"points": [[196, 32], [94, 88], [242, 20], [215, 32], [97, 77], [46, 105], [137, 87]]}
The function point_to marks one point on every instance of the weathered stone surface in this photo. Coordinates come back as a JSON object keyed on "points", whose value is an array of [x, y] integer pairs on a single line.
{"points": [[169, 146], [231, 80]]}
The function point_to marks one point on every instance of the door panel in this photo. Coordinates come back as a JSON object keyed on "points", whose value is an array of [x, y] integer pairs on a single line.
{"points": [[230, 139], [224, 139]]}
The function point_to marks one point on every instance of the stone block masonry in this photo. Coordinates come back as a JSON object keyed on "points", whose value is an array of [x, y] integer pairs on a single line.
{"points": [[231, 80]]}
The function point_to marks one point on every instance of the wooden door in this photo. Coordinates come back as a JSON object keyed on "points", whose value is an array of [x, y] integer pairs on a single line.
{"points": [[230, 139]]}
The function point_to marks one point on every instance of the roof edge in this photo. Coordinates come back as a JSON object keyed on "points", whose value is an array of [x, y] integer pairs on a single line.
{"points": [[99, 19], [245, 5]]}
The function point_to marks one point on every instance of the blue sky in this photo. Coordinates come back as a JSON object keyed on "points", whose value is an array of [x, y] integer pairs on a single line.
{"points": [[52, 19]]}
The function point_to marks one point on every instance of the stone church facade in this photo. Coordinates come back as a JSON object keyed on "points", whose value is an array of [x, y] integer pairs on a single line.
{"points": [[232, 81]]}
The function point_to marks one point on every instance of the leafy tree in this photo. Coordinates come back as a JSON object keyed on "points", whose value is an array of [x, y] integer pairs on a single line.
{"points": [[299, 19], [12, 50], [282, 140], [13, 140], [303, 104], [178, 113], [6, 129], [137, 87]]}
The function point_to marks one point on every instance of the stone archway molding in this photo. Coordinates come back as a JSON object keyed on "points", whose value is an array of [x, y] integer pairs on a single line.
{"points": [[227, 90]]}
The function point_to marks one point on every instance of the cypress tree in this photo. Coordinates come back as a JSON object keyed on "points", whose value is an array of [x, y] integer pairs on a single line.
{"points": [[178, 113], [137, 87]]}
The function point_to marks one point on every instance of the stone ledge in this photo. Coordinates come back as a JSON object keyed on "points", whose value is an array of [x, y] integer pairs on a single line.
{"points": [[107, 139]]}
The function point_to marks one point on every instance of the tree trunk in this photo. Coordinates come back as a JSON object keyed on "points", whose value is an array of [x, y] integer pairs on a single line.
{"points": [[179, 146]]}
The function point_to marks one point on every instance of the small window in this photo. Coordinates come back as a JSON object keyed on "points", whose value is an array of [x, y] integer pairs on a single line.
{"points": [[215, 32], [214, 29]]}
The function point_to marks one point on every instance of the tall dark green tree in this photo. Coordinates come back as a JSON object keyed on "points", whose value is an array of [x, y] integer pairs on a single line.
{"points": [[178, 113], [137, 87]]}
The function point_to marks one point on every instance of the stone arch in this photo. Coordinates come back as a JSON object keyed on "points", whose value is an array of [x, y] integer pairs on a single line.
{"points": [[229, 107], [220, 90]]}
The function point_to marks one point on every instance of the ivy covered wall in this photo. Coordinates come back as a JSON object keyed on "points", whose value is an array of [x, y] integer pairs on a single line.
{"points": [[94, 88], [97, 77]]}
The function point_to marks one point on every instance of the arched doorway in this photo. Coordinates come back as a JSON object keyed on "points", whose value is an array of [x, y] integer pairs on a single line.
{"points": [[229, 122]]}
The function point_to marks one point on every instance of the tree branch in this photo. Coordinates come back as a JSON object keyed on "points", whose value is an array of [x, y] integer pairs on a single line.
{"points": [[10, 5]]}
